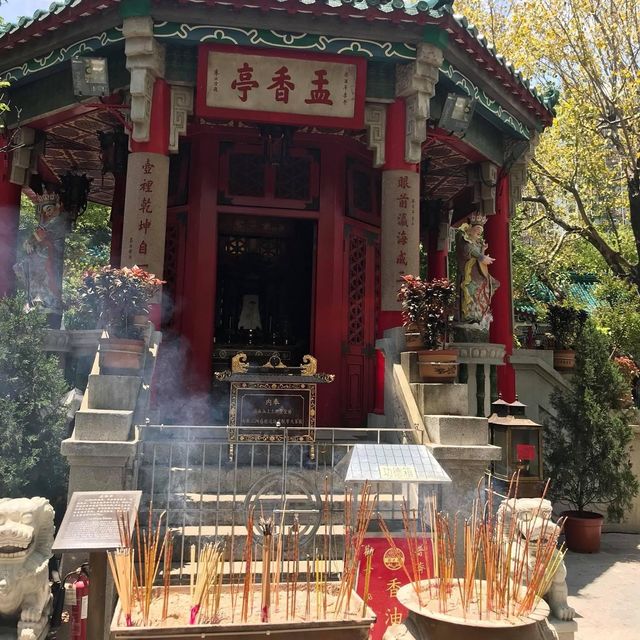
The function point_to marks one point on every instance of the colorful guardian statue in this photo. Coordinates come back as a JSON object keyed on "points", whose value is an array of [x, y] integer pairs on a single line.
{"points": [[477, 285]]}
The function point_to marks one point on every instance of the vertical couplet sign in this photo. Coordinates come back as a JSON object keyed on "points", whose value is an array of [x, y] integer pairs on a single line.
{"points": [[387, 576], [145, 217], [400, 232]]}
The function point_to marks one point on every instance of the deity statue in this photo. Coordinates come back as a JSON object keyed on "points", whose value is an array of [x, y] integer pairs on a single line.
{"points": [[250, 313], [477, 285], [40, 269]]}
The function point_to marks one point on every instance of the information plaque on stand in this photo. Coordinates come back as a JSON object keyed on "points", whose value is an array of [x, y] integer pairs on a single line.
{"points": [[91, 520]]}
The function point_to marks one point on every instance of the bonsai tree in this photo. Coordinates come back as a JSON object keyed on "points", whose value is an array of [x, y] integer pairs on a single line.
{"points": [[117, 296], [586, 453], [566, 323], [32, 418], [439, 296]]}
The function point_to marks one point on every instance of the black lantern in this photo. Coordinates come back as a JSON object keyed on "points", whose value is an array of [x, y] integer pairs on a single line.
{"points": [[114, 151], [521, 442], [74, 193]]}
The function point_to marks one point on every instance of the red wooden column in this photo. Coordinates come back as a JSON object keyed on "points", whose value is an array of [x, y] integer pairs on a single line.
{"points": [[400, 229], [9, 219], [436, 258], [498, 237], [145, 204]]}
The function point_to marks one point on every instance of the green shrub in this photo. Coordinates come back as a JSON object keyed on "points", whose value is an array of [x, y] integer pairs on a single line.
{"points": [[587, 444], [32, 419]]}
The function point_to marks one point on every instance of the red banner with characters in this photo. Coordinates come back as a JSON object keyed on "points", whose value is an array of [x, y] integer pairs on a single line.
{"points": [[387, 576]]}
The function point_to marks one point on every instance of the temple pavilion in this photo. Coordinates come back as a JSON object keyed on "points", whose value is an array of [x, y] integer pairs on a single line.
{"points": [[279, 163]]}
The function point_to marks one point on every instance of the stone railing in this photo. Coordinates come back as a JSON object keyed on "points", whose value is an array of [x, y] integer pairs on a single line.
{"points": [[75, 350], [478, 362]]}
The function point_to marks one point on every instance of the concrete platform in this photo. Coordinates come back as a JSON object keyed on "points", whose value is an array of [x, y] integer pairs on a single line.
{"points": [[604, 589]]}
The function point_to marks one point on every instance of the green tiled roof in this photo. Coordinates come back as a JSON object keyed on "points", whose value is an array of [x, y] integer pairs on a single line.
{"points": [[408, 8], [580, 290]]}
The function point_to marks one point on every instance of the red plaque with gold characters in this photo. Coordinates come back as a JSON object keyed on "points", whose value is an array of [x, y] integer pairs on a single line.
{"points": [[387, 576]]}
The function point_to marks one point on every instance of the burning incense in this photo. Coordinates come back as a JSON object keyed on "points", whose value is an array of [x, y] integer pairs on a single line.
{"points": [[266, 525], [209, 569], [368, 554]]}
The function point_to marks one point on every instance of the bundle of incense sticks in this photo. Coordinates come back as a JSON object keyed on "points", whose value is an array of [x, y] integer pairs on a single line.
{"points": [[352, 552], [247, 587], [266, 526], [496, 580], [121, 563], [208, 582], [137, 587]]}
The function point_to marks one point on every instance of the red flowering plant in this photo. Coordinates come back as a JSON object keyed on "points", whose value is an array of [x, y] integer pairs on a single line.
{"points": [[118, 295], [628, 368], [411, 296], [427, 304]]}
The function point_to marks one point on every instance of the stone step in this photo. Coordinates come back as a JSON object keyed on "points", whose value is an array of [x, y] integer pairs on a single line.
{"points": [[441, 399], [457, 430], [103, 425], [113, 392]]}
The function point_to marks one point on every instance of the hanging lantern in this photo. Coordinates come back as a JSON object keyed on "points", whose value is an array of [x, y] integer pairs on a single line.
{"points": [[114, 151], [74, 193]]}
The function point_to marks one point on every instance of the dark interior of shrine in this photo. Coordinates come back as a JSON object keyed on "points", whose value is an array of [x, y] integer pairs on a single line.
{"points": [[264, 284]]}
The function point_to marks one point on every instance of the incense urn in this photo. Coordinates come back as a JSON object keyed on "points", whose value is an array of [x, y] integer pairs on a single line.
{"points": [[426, 622], [352, 626]]}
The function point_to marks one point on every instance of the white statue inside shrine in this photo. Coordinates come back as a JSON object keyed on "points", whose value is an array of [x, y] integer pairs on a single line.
{"points": [[250, 314]]}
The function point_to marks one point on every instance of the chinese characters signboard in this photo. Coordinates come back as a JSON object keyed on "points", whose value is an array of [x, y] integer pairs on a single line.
{"points": [[400, 232], [257, 407], [387, 576], [143, 234], [91, 520], [281, 87]]}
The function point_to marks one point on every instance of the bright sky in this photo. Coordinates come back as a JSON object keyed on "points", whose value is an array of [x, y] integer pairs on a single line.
{"points": [[11, 10]]}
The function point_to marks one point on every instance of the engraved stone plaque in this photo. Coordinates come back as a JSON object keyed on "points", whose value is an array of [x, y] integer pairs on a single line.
{"points": [[91, 520]]}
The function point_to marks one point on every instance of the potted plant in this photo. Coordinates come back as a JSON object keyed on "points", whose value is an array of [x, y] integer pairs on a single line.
{"points": [[436, 363], [565, 326], [630, 373], [120, 296], [587, 444], [411, 297]]}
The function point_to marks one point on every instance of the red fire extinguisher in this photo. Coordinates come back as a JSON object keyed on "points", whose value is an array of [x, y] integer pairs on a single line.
{"points": [[76, 599]]}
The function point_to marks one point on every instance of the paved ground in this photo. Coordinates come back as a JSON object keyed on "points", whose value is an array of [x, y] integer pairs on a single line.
{"points": [[604, 589]]}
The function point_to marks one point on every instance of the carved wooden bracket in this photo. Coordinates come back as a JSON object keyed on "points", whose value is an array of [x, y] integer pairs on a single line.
{"points": [[375, 120], [416, 82], [181, 109], [484, 179], [24, 158], [518, 174], [145, 62]]}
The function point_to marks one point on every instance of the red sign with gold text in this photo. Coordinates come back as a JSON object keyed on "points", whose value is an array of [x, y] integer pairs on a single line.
{"points": [[281, 87], [387, 576]]}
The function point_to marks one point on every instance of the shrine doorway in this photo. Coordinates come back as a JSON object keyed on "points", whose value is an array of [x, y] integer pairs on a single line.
{"points": [[264, 289]]}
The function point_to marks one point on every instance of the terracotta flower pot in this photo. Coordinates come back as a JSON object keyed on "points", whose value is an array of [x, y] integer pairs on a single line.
{"points": [[564, 359], [413, 337], [121, 356], [438, 365], [582, 531]]}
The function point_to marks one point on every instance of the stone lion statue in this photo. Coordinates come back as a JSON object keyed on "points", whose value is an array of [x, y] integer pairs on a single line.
{"points": [[532, 515], [26, 537]]}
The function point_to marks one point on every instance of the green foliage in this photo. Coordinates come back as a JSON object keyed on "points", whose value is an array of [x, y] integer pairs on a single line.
{"points": [[565, 324], [32, 420], [586, 445], [619, 315]]}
